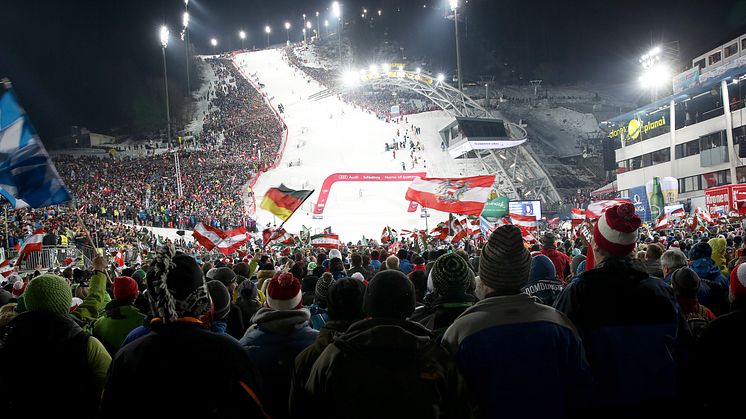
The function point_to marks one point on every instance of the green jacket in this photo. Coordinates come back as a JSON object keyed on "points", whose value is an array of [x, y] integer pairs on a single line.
{"points": [[116, 323], [93, 304]]}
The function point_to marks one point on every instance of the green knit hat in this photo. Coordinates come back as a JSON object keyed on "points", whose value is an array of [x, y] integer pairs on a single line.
{"points": [[451, 274], [48, 293]]}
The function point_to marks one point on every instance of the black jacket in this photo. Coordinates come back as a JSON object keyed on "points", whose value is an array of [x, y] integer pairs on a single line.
{"points": [[441, 312], [382, 368], [46, 354], [183, 370]]}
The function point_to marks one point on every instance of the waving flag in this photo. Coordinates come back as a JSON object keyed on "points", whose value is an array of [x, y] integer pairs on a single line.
{"points": [[485, 226], [440, 232], [458, 229], [388, 235], [527, 222], [283, 201], [27, 175], [33, 243], [455, 195], [596, 209], [662, 223], [281, 238], [226, 242], [325, 241], [5, 268]]}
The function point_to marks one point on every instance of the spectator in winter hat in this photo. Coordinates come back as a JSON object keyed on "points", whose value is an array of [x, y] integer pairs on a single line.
{"points": [[576, 261], [649, 377], [501, 343], [234, 319], [308, 289], [179, 338], [356, 260], [279, 333], [723, 335], [392, 262], [248, 301], [542, 280], [54, 347], [120, 315], [718, 246], [337, 268], [685, 284], [319, 315], [450, 278], [345, 299], [560, 260], [404, 264], [221, 305], [419, 281], [409, 374], [653, 260], [713, 287]]}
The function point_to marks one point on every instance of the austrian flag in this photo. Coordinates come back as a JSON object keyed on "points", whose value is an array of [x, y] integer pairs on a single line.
{"points": [[326, 241], [455, 195], [33, 243], [226, 242]]}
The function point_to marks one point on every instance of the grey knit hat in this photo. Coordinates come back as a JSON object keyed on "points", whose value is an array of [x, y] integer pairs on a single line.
{"points": [[505, 263], [451, 275], [322, 286]]}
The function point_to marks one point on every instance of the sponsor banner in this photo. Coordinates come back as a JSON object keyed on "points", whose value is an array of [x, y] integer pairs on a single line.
{"points": [[360, 177]]}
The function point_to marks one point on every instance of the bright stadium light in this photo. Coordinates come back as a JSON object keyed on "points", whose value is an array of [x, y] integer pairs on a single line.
{"points": [[373, 68], [350, 78], [287, 25], [164, 36], [379, 13], [363, 73], [242, 35], [655, 76], [418, 71], [454, 4], [214, 42], [267, 29], [336, 10], [441, 77], [308, 24], [326, 23], [386, 68], [185, 19]]}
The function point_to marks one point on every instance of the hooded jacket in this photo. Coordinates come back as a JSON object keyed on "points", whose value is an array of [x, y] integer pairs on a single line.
{"points": [[437, 315], [118, 321], [560, 261], [542, 280], [713, 285], [718, 246], [273, 342], [385, 368]]}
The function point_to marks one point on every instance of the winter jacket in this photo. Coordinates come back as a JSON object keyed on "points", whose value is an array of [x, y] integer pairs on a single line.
{"points": [[248, 309], [405, 266], [94, 303], [299, 398], [437, 315], [191, 371], [635, 339], [375, 265], [718, 246], [653, 268], [520, 358], [384, 368], [722, 373], [234, 322], [366, 273], [263, 276], [319, 316], [273, 342], [118, 321], [713, 286], [45, 354], [542, 281], [560, 261]]}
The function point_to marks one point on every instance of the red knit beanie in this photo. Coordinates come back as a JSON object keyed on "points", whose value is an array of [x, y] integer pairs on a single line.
{"points": [[283, 292], [738, 280], [125, 288], [616, 230]]}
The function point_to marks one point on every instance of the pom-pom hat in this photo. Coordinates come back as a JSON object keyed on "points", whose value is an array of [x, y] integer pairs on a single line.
{"points": [[616, 231]]}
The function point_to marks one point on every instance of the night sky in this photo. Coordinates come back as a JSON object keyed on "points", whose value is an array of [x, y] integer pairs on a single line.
{"points": [[97, 63]]}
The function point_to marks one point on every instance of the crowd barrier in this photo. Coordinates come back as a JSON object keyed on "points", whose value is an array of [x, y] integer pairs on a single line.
{"points": [[52, 257]]}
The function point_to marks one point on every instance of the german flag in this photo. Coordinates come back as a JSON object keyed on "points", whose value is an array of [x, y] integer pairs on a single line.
{"points": [[283, 201]]}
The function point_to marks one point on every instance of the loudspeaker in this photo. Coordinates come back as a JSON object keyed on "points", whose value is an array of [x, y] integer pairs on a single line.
{"points": [[609, 145]]}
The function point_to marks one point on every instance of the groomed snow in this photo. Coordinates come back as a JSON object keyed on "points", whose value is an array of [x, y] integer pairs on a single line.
{"points": [[328, 136]]}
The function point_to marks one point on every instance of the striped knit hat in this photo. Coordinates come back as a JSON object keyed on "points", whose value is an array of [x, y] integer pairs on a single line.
{"points": [[616, 230], [451, 275], [283, 292], [738, 280], [505, 262]]}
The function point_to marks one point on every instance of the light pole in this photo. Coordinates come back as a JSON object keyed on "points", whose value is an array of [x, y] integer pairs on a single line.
{"points": [[214, 43], [304, 25], [318, 24], [326, 25], [308, 27], [185, 23], [337, 10], [242, 35], [267, 30], [164, 44], [454, 7], [287, 31]]}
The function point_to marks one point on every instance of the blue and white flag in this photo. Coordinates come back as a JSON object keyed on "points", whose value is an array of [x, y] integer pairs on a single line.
{"points": [[485, 226], [28, 177]]}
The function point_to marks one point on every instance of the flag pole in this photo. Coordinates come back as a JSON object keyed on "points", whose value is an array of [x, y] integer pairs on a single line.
{"points": [[264, 245], [85, 229]]}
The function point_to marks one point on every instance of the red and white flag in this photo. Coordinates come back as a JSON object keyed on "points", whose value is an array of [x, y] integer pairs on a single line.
{"points": [[325, 241], [455, 195], [526, 234], [578, 215], [388, 235], [553, 221], [703, 215], [226, 242], [458, 229], [596, 209], [33, 243], [5, 268], [527, 222], [281, 237], [678, 213], [119, 258], [662, 223], [440, 232]]}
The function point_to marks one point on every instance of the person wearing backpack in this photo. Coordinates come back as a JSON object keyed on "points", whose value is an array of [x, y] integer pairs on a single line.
{"points": [[685, 283]]}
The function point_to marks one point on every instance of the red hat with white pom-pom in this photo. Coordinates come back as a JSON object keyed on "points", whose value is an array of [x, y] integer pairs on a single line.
{"points": [[616, 230]]}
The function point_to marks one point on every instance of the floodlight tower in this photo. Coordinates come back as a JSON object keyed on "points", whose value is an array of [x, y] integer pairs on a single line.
{"points": [[267, 30], [454, 6], [242, 35], [337, 10]]}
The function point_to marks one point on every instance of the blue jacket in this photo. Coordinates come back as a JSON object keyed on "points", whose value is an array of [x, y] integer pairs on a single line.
{"points": [[405, 266], [713, 286], [273, 342], [633, 334], [375, 264], [520, 358]]}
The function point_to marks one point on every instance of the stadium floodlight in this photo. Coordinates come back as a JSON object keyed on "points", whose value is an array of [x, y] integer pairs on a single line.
{"points": [[365, 11], [308, 24], [454, 4], [267, 29], [441, 77], [363, 73], [418, 71], [317, 14], [656, 76], [379, 13], [287, 25], [385, 68], [336, 10], [164, 36], [242, 35], [185, 19], [214, 42], [350, 78], [186, 3], [373, 68]]}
